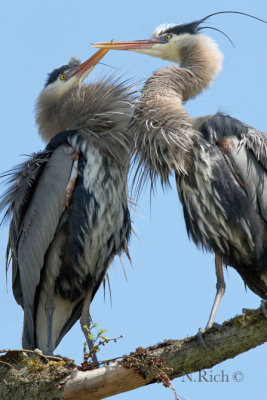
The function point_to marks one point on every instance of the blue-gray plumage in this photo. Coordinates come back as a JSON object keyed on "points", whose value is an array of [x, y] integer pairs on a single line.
{"points": [[224, 196], [69, 203], [220, 163]]}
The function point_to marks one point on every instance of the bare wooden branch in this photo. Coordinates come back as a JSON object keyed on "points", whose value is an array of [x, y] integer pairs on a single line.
{"points": [[182, 356], [33, 376], [103, 382]]}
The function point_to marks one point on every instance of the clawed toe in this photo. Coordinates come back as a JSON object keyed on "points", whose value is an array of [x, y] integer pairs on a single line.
{"points": [[201, 331], [201, 339]]}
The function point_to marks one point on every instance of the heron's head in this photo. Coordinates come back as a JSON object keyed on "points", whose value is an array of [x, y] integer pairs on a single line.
{"points": [[169, 40], [60, 82]]}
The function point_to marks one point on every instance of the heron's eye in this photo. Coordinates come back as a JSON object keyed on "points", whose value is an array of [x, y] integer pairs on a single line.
{"points": [[168, 36], [63, 77]]}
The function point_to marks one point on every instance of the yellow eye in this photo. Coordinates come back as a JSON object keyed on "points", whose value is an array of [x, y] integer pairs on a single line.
{"points": [[63, 77], [167, 37]]}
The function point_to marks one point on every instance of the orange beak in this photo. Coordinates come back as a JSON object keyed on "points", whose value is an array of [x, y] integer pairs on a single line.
{"points": [[130, 45], [87, 66]]}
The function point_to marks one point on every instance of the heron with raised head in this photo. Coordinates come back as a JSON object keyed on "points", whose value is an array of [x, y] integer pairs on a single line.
{"points": [[220, 163], [69, 203]]}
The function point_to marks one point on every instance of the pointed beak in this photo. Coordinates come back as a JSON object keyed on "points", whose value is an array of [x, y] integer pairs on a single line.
{"points": [[83, 70], [131, 45]]}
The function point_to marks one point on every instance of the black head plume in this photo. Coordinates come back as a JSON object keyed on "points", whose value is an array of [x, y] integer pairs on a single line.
{"points": [[231, 12], [191, 28], [195, 26], [225, 12]]}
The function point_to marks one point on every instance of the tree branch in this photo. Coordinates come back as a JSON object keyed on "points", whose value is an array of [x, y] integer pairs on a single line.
{"points": [[31, 375]]}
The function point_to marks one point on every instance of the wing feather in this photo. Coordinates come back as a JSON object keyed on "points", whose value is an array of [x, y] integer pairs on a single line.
{"points": [[35, 200], [41, 220], [252, 171], [245, 148]]}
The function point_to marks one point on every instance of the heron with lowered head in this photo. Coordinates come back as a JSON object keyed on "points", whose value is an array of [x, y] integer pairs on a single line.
{"points": [[69, 203]]}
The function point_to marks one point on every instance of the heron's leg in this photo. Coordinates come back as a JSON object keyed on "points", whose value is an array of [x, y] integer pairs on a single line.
{"points": [[49, 309], [220, 287], [85, 320]]}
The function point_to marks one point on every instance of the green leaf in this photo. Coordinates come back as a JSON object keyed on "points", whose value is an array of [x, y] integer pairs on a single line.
{"points": [[101, 331]]}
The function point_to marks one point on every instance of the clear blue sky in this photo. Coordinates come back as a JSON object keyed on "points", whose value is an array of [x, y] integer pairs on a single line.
{"points": [[171, 286]]}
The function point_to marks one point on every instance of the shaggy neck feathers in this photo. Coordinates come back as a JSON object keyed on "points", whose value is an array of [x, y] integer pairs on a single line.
{"points": [[100, 111], [201, 57], [164, 131]]}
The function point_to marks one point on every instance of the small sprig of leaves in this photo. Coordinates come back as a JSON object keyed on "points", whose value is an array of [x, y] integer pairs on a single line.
{"points": [[143, 361], [99, 340]]}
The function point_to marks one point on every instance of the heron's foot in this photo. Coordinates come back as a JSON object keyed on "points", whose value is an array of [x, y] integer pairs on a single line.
{"points": [[201, 340], [38, 351], [264, 308]]}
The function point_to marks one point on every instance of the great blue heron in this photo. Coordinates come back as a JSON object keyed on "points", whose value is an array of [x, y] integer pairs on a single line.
{"points": [[220, 163], [68, 203]]}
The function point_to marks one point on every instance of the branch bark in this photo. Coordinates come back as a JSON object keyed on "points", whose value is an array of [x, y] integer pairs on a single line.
{"points": [[33, 376]]}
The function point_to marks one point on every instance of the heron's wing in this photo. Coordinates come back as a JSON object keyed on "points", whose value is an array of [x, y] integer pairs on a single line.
{"points": [[250, 161], [245, 150], [40, 222], [256, 142], [22, 181], [41, 197]]}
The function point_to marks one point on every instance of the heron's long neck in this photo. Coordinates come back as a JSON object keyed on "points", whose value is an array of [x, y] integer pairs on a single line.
{"points": [[100, 111], [200, 62], [164, 130]]}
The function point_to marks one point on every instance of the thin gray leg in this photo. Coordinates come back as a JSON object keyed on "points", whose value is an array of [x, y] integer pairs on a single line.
{"points": [[49, 308], [85, 320], [220, 287]]}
